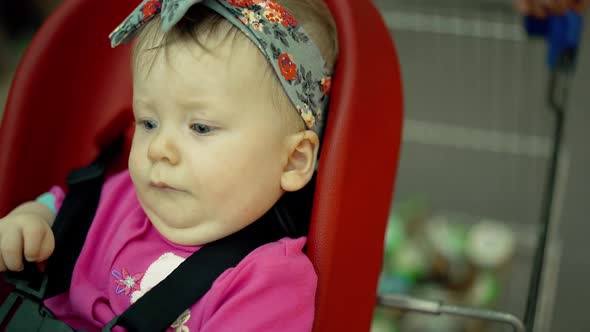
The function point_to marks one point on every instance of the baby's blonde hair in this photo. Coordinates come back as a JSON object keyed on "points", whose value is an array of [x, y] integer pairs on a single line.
{"points": [[199, 22]]}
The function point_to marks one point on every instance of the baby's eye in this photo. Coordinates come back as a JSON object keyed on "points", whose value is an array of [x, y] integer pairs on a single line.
{"points": [[201, 129], [148, 124]]}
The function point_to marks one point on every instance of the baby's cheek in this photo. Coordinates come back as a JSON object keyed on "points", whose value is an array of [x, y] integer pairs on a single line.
{"points": [[134, 165]]}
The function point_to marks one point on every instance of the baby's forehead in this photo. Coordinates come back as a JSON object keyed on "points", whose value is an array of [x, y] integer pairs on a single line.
{"points": [[222, 47], [212, 70]]}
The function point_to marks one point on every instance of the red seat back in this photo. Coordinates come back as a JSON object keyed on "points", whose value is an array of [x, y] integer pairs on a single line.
{"points": [[71, 85], [357, 169]]}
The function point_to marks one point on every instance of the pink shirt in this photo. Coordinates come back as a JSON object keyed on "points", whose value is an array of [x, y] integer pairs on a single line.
{"points": [[272, 289]]}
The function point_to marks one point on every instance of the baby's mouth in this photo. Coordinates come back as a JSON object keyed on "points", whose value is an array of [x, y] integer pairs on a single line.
{"points": [[163, 186]]}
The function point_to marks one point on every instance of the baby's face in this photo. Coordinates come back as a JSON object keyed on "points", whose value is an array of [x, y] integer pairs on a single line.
{"points": [[209, 147]]}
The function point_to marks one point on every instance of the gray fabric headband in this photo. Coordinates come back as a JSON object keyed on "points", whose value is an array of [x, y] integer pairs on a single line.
{"points": [[295, 58]]}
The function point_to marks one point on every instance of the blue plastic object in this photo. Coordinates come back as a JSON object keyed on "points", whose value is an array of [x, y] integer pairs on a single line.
{"points": [[562, 33]]}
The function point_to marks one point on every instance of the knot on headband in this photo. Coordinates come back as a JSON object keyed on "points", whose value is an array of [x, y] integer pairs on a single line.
{"points": [[296, 59]]}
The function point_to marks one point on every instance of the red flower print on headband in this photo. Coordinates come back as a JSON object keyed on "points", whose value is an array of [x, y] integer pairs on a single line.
{"points": [[275, 13], [326, 85], [150, 8], [237, 3], [242, 3], [288, 20], [246, 3], [288, 66], [284, 17]]}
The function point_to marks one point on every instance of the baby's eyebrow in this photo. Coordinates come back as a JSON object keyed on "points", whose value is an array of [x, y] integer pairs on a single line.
{"points": [[140, 102], [196, 106], [200, 106]]}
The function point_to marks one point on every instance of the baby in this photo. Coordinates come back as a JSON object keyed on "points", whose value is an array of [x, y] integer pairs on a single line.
{"points": [[229, 100]]}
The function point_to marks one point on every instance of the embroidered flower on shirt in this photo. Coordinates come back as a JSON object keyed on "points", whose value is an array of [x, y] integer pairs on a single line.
{"points": [[126, 283]]}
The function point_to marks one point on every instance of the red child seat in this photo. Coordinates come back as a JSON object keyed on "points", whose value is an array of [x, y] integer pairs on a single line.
{"points": [[72, 93]]}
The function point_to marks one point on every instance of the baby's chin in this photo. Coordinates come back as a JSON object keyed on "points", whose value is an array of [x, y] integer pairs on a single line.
{"points": [[177, 233], [194, 234]]}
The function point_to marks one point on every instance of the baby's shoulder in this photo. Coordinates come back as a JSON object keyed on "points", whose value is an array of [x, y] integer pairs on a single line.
{"points": [[118, 194], [284, 250], [120, 181], [276, 262], [271, 289], [118, 188]]}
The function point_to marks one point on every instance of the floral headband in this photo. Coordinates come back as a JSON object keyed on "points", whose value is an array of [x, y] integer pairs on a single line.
{"points": [[297, 61]]}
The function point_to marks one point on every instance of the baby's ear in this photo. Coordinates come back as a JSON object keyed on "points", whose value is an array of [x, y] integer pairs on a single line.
{"points": [[302, 151]]}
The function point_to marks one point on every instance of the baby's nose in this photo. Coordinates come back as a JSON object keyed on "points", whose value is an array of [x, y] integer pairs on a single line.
{"points": [[163, 147]]}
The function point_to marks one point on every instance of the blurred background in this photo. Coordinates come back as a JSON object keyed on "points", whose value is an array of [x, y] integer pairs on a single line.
{"points": [[475, 159], [474, 167]]}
